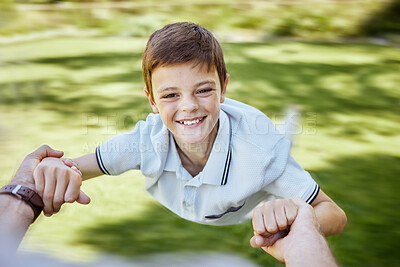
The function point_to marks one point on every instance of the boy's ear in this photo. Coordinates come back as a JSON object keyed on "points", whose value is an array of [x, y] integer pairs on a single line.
{"points": [[152, 104], [223, 91]]}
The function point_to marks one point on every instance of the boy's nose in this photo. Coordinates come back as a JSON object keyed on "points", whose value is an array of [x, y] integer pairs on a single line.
{"points": [[189, 104]]}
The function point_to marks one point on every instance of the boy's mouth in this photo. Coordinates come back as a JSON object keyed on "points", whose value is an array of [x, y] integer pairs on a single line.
{"points": [[189, 122]]}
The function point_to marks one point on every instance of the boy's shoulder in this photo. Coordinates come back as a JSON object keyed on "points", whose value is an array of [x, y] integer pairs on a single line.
{"points": [[231, 103], [251, 126], [152, 126]]}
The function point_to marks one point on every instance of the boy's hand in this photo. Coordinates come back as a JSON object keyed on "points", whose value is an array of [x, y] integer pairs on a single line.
{"points": [[304, 245], [58, 181], [272, 220], [24, 175]]}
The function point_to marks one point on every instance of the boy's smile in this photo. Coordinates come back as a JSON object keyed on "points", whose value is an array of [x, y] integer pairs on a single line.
{"points": [[188, 99]]}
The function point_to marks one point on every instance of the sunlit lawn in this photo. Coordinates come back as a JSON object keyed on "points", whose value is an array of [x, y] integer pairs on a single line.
{"points": [[75, 93]]}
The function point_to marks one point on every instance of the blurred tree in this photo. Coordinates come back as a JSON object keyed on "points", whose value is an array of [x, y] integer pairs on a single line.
{"points": [[386, 20], [7, 12]]}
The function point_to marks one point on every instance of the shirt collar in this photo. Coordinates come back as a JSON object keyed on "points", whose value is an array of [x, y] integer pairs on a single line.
{"points": [[173, 161], [214, 169]]}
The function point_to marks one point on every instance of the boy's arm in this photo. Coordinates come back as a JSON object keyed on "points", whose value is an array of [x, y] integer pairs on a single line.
{"points": [[329, 215], [88, 166]]}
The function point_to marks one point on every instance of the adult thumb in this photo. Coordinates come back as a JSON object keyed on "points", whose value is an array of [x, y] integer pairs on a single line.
{"points": [[46, 151], [300, 203], [83, 198]]}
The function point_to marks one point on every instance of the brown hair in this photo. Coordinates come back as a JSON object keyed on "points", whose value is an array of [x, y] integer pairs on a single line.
{"points": [[181, 43]]}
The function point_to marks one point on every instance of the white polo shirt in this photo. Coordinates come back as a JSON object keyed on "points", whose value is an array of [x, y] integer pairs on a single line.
{"points": [[249, 163]]}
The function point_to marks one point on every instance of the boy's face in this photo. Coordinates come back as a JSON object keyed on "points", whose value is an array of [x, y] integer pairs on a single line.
{"points": [[188, 99]]}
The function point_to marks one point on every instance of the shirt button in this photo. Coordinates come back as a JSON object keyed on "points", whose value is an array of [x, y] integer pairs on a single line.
{"points": [[188, 196]]}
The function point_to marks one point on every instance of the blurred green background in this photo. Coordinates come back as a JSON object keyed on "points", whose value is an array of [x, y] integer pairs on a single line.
{"points": [[70, 77]]}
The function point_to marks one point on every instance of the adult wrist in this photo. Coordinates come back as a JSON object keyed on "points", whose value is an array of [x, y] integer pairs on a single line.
{"points": [[309, 246], [17, 207], [25, 195]]}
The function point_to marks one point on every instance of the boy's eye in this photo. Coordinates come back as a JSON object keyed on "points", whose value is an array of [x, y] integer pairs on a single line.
{"points": [[203, 91], [169, 96]]}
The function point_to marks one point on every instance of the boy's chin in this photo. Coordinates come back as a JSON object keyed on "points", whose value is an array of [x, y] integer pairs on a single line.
{"points": [[191, 141]]}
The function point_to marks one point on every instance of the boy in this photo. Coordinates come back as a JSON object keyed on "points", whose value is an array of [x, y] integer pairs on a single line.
{"points": [[208, 159]]}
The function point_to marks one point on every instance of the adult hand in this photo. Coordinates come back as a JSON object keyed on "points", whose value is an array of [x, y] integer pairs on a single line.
{"points": [[24, 174], [304, 244], [16, 215]]}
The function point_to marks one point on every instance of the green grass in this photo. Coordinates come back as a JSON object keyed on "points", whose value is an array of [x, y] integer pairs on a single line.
{"points": [[307, 19], [75, 93]]}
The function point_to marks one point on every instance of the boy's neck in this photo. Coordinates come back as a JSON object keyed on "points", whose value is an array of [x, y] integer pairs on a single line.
{"points": [[194, 156]]}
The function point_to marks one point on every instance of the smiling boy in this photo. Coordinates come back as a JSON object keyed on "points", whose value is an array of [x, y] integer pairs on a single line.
{"points": [[188, 98], [206, 158]]}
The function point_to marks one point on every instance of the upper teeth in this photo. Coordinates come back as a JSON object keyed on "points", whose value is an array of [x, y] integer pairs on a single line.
{"points": [[190, 122]]}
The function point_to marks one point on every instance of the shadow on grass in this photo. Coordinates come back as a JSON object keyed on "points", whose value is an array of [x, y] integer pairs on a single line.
{"points": [[70, 98], [365, 187], [158, 230], [90, 60], [272, 85]]}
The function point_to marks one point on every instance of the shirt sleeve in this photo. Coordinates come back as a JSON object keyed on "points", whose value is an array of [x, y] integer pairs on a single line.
{"points": [[144, 148], [121, 153], [293, 180]]}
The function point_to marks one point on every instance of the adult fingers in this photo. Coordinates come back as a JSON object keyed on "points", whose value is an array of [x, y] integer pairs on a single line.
{"points": [[24, 174], [305, 212], [300, 202], [258, 241], [46, 151]]}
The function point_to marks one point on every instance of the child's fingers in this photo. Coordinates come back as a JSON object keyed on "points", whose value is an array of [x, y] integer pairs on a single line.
{"points": [[269, 218], [258, 221], [67, 162], [83, 198], [72, 192], [75, 169], [58, 199], [280, 215], [48, 195], [291, 212], [72, 164]]}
